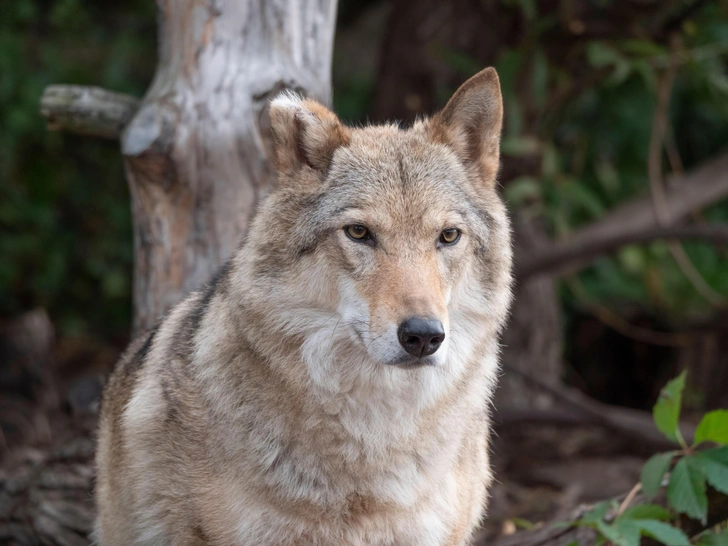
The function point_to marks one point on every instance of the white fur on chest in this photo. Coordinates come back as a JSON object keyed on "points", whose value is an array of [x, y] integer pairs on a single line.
{"points": [[427, 524], [380, 451]]}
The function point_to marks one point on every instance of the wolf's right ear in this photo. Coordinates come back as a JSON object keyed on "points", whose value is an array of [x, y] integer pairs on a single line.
{"points": [[305, 133], [470, 123]]}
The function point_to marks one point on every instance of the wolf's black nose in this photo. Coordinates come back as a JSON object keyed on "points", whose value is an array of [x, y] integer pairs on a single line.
{"points": [[420, 336]]}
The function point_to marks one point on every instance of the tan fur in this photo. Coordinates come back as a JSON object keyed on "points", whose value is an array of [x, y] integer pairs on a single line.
{"points": [[276, 406]]}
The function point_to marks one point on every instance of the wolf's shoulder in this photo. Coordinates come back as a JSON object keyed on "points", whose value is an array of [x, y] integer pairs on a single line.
{"points": [[172, 338]]}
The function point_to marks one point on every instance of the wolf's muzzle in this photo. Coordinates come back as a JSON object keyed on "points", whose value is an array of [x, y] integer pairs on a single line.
{"points": [[421, 336]]}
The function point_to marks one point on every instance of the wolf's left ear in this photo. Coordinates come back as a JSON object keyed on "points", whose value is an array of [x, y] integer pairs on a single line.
{"points": [[305, 133], [471, 123]]}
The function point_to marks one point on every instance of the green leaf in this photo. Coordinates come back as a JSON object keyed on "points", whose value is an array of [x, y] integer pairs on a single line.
{"points": [[578, 193], [647, 72], [646, 511], [522, 189], [667, 409], [653, 472], [632, 259], [621, 71], [717, 454], [521, 523], [667, 534], [714, 463], [597, 513], [714, 539], [600, 54], [518, 146], [686, 490], [607, 175], [629, 530], [713, 428], [628, 534], [642, 47], [550, 166]]}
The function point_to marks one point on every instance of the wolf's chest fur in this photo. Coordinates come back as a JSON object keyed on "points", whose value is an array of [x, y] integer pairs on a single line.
{"points": [[353, 491], [331, 386]]}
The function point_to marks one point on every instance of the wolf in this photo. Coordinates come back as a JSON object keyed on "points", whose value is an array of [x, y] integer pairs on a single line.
{"points": [[331, 386]]}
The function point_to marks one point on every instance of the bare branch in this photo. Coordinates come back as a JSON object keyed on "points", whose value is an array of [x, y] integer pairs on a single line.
{"points": [[573, 254], [87, 110], [636, 222]]}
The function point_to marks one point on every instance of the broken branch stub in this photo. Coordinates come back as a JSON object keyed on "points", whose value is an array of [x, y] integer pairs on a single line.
{"points": [[85, 110]]}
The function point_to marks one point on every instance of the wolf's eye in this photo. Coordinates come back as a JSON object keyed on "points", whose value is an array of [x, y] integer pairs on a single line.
{"points": [[449, 236], [358, 233]]}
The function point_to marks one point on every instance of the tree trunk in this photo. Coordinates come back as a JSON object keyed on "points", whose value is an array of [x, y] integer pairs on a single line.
{"points": [[533, 341], [196, 150]]}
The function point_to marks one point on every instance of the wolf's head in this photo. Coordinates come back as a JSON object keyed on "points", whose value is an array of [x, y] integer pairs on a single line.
{"points": [[394, 239]]}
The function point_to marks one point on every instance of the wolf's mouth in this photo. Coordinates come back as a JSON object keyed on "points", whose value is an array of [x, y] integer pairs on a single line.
{"points": [[412, 362]]}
